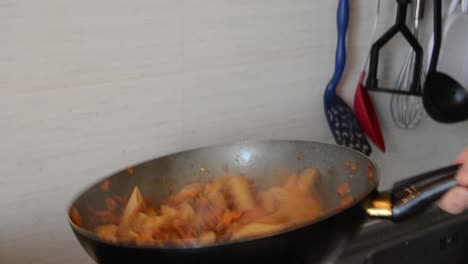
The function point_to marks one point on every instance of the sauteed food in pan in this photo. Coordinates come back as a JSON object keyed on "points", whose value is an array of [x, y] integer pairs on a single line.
{"points": [[239, 203], [227, 208]]}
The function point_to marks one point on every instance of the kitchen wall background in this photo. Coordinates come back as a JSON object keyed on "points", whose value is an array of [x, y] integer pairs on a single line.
{"points": [[88, 87]]}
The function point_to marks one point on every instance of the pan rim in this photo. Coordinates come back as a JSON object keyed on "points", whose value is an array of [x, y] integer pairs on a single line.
{"points": [[331, 213]]}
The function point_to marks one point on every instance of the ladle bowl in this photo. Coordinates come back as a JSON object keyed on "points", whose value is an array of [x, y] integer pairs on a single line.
{"points": [[444, 98]]}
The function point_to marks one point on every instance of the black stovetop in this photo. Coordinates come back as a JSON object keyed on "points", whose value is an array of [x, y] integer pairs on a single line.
{"points": [[431, 238]]}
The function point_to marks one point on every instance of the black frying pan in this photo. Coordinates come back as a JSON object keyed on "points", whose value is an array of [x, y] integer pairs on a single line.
{"points": [[314, 242]]}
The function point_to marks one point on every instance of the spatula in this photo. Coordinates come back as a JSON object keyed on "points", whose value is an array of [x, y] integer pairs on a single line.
{"points": [[363, 105], [341, 120]]}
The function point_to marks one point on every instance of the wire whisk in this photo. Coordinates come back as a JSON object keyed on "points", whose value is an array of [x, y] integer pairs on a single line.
{"points": [[408, 110]]}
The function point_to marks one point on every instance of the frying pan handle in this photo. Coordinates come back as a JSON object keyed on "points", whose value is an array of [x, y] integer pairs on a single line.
{"points": [[415, 194]]}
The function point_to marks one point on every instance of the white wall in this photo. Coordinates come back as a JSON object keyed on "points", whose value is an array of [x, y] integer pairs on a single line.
{"points": [[87, 87]]}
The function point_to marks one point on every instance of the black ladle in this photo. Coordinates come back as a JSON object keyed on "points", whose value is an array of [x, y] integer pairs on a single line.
{"points": [[445, 99]]}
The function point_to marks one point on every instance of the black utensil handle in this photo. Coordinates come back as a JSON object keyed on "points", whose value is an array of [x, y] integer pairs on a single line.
{"points": [[437, 36], [419, 192]]}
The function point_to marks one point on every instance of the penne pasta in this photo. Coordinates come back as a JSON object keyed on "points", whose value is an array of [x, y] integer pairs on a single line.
{"points": [[256, 230], [135, 204], [225, 209], [241, 192], [307, 179]]}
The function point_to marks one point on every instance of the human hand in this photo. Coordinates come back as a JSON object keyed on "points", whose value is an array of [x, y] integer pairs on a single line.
{"points": [[456, 200]]}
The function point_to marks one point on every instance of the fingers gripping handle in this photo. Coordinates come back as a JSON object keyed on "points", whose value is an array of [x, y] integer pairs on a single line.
{"points": [[420, 191]]}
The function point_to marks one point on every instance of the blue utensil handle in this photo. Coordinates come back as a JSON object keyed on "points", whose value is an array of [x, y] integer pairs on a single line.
{"points": [[342, 20]]}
